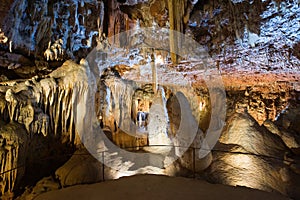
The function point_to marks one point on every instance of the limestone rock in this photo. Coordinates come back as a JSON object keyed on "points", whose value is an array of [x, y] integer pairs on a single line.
{"points": [[254, 156], [44, 185], [13, 151], [242, 169], [34, 102], [82, 168], [244, 131], [287, 137], [158, 121], [191, 161], [296, 167]]}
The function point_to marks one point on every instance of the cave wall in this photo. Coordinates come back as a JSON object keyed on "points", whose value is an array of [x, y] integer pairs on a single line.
{"points": [[31, 25], [69, 29], [4, 8]]}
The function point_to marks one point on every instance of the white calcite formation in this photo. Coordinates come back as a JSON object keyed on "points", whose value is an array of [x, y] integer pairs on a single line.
{"points": [[158, 124], [120, 95], [55, 51], [44, 107]]}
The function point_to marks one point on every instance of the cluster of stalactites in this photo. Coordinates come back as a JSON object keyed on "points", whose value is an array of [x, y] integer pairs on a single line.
{"points": [[13, 146], [46, 106], [54, 51], [21, 105]]}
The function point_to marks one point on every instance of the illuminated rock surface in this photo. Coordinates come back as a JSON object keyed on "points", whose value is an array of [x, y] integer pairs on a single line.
{"points": [[48, 101]]}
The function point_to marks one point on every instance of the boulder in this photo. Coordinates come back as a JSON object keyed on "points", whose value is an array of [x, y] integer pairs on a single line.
{"points": [[82, 168]]}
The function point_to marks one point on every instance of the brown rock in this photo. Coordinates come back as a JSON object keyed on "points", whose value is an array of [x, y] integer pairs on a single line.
{"points": [[82, 168]]}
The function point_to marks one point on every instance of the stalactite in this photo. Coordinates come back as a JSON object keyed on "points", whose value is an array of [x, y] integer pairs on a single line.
{"points": [[49, 104], [12, 101], [3, 107], [121, 94], [118, 22], [173, 41], [178, 18], [13, 147], [100, 18]]}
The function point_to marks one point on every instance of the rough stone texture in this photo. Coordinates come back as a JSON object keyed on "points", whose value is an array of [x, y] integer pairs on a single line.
{"points": [[13, 152], [46, 184], [263, 102], [32, 25], [226, 29], [249, 170], [290, 139], [44, 107], [250, 155], [244, 131], [82, 168], [254, 45], [4, 8], [289, 119]]}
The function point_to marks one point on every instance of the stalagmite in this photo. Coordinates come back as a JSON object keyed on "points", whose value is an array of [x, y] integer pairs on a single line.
{"points": [[158, 125], [54, 51]]}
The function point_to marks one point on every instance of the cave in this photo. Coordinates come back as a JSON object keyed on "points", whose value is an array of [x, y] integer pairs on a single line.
{"points": [[166, 99]]}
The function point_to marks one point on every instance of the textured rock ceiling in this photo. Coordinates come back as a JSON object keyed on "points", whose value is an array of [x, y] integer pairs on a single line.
{"points": [[254, 45]]}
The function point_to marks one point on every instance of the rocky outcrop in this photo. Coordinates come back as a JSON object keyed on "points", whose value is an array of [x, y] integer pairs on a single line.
{"points": [[244, 131], [250, 155], [263, 102], [289, 137]]}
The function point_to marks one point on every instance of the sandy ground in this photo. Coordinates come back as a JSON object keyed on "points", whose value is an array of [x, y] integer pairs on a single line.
{"points": [[157, 187]]}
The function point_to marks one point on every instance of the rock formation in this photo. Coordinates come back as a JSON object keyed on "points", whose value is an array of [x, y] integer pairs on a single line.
{"points": [[14, 146], [70, 81]]}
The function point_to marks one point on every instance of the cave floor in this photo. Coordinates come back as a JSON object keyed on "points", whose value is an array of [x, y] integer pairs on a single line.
{"points": [[157, 187]]}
